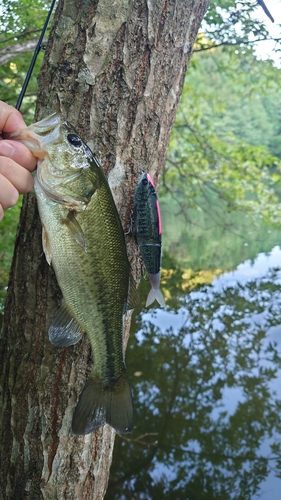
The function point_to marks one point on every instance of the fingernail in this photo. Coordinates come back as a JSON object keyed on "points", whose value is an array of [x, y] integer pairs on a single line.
{"points": [[6, 148]]}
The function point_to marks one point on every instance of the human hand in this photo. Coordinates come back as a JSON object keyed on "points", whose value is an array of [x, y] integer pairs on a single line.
{"points": [[16, 161]]}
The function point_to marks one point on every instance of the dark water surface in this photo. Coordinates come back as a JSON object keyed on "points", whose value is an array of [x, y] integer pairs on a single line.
{"points": [[206, 377]]}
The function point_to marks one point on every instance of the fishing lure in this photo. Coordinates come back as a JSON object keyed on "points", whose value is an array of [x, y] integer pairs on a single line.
{"points": [[148, 227]]}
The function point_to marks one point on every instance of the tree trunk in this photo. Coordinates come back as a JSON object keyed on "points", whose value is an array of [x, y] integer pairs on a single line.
{"points": [[116, 71]]}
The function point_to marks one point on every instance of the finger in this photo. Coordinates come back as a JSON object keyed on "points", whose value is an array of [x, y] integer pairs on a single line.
{"points": [[10, 118], [1, 212], [16, 175], [19, 153], [9, 194]]}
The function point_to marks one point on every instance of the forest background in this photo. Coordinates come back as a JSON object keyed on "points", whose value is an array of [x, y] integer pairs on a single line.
{"points": [[225, 151]]}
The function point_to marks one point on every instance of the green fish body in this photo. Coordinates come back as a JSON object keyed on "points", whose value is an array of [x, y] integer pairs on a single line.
{"points": [[83, 240]]}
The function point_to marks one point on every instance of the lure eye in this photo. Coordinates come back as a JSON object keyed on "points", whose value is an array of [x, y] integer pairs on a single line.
{"points": [[74, 140], [144, 182]]}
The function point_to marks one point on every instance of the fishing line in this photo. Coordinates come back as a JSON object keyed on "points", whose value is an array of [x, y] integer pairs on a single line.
{"points": [[35, 54]]}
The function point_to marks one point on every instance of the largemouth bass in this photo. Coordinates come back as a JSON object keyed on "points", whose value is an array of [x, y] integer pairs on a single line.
{"points": [[84, 241], [148, 227]]}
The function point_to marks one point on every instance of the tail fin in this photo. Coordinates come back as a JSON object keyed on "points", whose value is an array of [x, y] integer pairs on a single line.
{"points": [[155, 295], [101, 403]]}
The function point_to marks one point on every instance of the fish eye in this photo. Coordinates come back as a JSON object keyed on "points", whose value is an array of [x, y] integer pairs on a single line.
{"points": [[145, 181], [74, 140]]}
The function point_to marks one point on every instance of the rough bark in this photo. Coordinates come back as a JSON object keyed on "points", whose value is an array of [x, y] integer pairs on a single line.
{"points": [[116, 71]]}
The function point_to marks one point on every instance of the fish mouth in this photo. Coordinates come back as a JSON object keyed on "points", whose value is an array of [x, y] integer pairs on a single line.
{"points": [[38, 135]]}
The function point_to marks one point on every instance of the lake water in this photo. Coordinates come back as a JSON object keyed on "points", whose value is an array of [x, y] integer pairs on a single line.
{"points": [[207, 390]]}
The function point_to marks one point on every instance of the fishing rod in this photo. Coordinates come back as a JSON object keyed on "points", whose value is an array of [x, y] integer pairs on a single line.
{"points": [[35, 54], [264, 7]]}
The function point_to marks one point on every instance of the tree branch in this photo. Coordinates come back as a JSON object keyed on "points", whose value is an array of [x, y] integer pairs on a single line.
{"points": [[8, 53], [19, 35], [235, 44]]}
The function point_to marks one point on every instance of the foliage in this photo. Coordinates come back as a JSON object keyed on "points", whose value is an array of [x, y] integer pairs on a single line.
{"points": [[225, 136], [215, 239], [232, 23], [242, 99], [8, 229], [20, 23]]}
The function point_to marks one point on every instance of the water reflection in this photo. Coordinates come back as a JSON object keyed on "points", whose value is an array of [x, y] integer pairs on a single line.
{"points": [[207, 388]]}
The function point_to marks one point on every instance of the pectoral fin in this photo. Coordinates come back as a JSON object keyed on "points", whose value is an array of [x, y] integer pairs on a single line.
{"points": [[46, 245], [75, 229], [64, 331]]}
